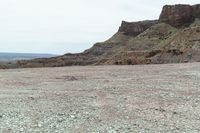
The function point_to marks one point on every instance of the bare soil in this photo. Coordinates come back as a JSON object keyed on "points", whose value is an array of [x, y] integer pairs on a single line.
{"points": [[101, 99]]}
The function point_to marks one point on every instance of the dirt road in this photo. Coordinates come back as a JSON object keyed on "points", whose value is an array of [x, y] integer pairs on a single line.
{"points": [[101, 99]]}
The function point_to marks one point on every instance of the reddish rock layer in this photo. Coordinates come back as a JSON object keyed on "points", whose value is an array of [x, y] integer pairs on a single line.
{"points": [[135, 28], [179, 15]]}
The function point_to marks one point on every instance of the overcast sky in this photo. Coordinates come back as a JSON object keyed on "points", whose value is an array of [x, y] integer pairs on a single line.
{"points": [[62, 26]]}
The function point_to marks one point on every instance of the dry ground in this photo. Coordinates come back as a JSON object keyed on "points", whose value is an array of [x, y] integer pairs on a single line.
{"points": [[101, 99]]}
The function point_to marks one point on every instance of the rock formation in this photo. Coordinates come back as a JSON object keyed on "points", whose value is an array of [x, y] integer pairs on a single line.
{"points": [[135, 28], [173, 38], [179, 15], [196, 11]]}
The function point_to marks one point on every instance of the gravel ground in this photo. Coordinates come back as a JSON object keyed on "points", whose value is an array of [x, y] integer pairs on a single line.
{"points": [[101, 99]]}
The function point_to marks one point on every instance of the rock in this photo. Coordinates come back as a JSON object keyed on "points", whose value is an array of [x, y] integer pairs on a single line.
{"points": [[179, 15], [39, 125], [196, 11], [21, 129], [135, 28], [60, 120], [72, 116]]}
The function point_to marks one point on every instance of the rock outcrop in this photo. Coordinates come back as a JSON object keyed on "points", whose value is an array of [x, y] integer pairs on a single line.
{"points": [[196, 11], [135, 28], [179, 15]]}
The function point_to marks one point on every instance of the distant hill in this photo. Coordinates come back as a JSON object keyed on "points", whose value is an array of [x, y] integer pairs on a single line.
{"points": [[22, 56], [9, 60]]}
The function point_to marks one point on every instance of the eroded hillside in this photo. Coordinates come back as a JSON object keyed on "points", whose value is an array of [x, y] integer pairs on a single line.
{"points": [[173, 38]]}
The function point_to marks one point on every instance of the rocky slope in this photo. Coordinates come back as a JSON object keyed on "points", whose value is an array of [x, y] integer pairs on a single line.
{"points": [[173, 38]]}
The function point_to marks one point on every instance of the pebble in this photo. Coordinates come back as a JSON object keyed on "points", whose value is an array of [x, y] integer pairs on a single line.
{"points": [[39, 125], [72, 116], [21, 129]]}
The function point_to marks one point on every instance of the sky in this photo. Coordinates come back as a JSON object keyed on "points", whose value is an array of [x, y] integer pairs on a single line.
{"points": [[69, 26]]}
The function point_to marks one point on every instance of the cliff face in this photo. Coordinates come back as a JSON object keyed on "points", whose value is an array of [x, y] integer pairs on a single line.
{"points": [[135, 28], [196, 11], [179, 15], [174, 38]]}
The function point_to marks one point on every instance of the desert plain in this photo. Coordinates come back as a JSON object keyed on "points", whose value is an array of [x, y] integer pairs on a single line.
{"points": [[101, 99]]}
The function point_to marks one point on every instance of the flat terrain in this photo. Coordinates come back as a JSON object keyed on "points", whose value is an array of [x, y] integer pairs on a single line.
{"points": [[101, 99]]}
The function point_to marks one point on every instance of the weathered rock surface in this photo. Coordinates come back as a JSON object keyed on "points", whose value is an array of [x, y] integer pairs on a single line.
{"points": [[179, 15], [135, 28], [196, 11]]}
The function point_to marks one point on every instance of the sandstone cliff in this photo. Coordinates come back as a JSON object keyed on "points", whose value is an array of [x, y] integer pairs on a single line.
{"points": [[135, 28], [179, 15]]}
